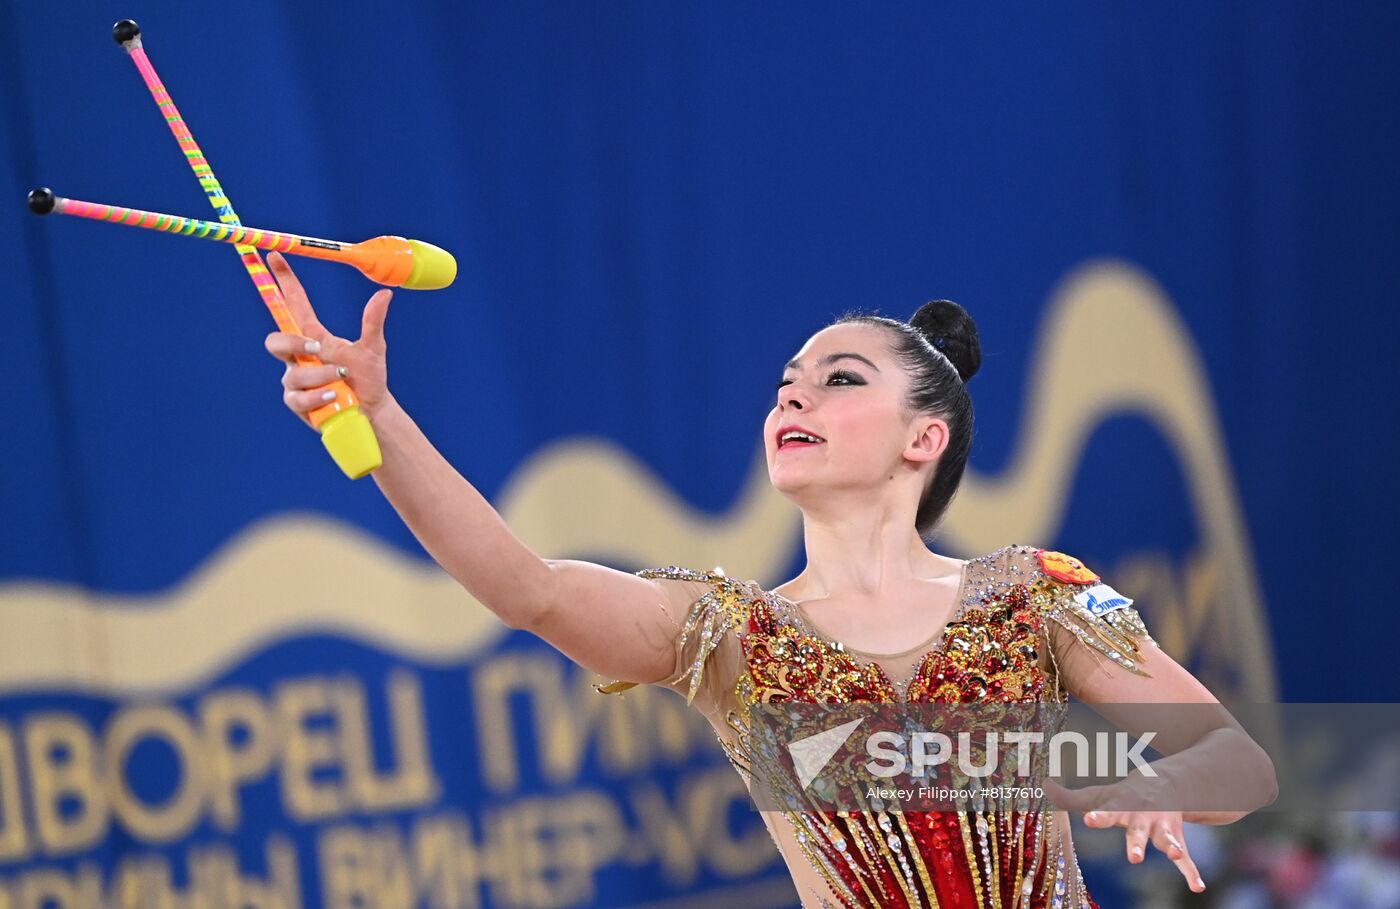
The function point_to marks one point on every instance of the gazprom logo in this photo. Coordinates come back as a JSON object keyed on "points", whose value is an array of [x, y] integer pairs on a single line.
{"points": [[1101, 598]]}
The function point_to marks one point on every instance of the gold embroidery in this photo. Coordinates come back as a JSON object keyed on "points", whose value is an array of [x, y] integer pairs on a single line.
{"points": [[990, 652]]}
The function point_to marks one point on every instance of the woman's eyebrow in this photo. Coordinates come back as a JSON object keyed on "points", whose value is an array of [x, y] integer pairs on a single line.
{"points": [[832, 358]]}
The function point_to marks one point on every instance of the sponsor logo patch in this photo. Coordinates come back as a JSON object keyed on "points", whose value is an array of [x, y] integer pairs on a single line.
{"points": [[1101, 598]]}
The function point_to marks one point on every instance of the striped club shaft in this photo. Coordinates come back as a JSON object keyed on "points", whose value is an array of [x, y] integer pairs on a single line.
{"points": [[175, 224], [267, 287]]}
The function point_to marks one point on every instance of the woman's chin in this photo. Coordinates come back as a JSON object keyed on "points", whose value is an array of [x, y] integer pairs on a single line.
{"points": [[790, 482]]}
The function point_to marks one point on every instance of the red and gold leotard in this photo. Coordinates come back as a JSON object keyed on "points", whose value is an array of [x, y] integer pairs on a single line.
{"points": [[1019, 613]]}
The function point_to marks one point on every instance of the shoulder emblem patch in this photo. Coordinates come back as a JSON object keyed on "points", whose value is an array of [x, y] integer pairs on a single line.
{"points": [[1101, 598], [1065, 568]]}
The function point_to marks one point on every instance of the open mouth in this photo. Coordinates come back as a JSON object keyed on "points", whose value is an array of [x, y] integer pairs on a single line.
{"points": [[798, 438]]}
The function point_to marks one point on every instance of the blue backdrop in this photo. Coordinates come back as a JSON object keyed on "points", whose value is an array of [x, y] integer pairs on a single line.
{"points": [[1181, 220]]}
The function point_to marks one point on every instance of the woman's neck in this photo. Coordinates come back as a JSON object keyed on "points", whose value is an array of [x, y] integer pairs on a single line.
{"points": [[865, 553]]}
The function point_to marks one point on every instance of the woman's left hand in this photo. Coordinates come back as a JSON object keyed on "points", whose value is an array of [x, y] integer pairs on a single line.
{"points": [[1161, 828]]}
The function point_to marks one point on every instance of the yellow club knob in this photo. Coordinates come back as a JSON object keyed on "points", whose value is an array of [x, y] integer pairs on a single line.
{"points": [[433, 267], [350, 439]]}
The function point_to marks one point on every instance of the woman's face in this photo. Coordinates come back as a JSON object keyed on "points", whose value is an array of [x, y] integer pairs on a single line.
{"points": [[845, 390]]}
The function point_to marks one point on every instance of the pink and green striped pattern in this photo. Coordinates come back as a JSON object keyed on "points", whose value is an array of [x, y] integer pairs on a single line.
{"points": [[252, 262], [175, 224]]}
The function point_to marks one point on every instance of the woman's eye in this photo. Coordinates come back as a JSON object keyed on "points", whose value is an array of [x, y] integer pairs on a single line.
{"points": [[839, 377]]}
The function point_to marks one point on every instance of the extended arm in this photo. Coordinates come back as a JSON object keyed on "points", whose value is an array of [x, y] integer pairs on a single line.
{"points": [[611, 622]]}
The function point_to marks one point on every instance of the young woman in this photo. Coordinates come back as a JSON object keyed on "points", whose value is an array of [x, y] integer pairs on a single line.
{"points": [[869, 435]]}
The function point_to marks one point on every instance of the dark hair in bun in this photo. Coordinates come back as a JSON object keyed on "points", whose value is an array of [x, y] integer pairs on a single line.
{"points": [[941, 351], [951, 330]]}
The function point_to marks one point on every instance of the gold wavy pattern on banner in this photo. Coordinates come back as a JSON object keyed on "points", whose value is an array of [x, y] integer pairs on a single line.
{"points": [[1112, 344], [240, 601]]}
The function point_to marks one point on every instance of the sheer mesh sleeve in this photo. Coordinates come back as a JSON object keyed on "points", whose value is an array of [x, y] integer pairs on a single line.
{"points": [[1090, 626], [707, 609]]}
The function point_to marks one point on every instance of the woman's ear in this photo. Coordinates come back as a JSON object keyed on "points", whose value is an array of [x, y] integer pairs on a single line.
{"points": [[930, 440]]}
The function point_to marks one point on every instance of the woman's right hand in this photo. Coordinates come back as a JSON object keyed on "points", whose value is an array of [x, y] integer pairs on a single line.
{"points": [[607, 620], [360, 363]]}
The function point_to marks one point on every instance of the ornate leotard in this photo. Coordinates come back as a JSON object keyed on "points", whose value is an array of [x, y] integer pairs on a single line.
{"points": [[1018, 612]]}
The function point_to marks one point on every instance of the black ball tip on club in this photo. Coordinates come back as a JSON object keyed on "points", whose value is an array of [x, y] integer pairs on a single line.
{"points": [[42, 200], [125, 30]]}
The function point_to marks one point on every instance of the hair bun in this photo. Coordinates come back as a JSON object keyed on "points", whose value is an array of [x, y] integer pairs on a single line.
{"points": [[949, 328]]}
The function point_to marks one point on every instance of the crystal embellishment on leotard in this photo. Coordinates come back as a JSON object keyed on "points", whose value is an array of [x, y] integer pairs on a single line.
{"points": [[996, 648]]}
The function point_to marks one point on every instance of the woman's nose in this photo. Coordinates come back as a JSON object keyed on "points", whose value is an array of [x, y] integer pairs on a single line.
{"points": [[790, 397]]}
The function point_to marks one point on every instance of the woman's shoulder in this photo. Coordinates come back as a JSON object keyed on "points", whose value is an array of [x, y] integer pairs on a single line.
{"points": [[681, 573], [709, 608], [1059, 576], [702, 590], [712, 577], [1038, 562]]}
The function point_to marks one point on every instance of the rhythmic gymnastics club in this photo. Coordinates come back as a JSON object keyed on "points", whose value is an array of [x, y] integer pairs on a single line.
{"points": [[392, 261], [345, 430]]}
